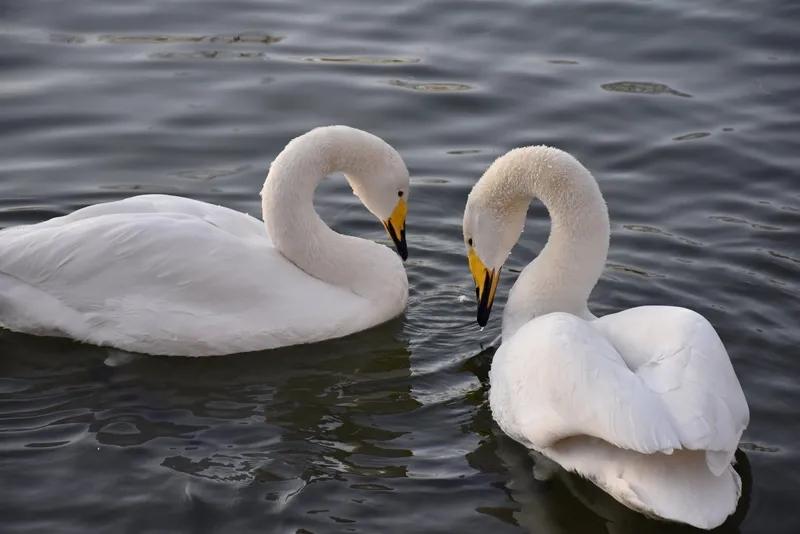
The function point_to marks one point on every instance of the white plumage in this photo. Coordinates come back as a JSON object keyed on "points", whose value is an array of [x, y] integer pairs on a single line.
{"points": [[161, 274], [644, 402]]}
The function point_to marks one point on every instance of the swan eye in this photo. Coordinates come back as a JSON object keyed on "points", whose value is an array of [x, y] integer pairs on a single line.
{"points": [[399, 193], [469, 241]]}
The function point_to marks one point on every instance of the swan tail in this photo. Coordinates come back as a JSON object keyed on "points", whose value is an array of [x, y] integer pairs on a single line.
{"points": [[677, 487], [25, 308], [719, 461]]}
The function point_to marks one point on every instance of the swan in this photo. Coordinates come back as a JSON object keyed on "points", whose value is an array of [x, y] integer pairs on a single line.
{"points": [[645, 402], [167, 275]]}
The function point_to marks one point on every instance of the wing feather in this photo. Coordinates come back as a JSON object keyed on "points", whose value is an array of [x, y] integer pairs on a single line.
{"points": [[679, 356], [649, 379], [558, 377], [165, 275]]}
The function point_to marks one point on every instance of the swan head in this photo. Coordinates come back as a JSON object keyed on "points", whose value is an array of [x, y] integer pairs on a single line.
{"points": [[493, 221], [383, 189], [489, 237]]}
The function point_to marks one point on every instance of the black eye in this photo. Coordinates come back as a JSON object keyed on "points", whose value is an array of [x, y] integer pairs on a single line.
{"points": [[399, 193], [469, 241]]}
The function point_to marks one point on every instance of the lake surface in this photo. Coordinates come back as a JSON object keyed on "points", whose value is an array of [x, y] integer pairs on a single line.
{"points": [[686, 112]]}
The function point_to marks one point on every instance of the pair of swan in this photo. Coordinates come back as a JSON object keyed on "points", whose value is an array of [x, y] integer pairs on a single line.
{"points": [[643, 402]]}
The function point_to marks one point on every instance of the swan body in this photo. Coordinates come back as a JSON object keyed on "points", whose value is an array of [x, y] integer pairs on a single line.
{"points": [[645, 402], [161, 274]]}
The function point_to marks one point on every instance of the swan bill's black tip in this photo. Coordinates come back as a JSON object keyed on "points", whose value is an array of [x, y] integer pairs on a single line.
{"points": [[486, 296], [399, 240], [483, 315]]}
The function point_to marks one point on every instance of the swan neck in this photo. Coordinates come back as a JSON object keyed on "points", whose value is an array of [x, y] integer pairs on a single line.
{"points": [[564, 273], [293, 225]]}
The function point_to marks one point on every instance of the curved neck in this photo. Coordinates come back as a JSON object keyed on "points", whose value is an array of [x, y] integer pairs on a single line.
{"points": [[293, 225], [566, 270]]}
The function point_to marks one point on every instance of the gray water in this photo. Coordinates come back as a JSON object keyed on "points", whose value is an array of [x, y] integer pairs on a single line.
{"points": [[687, 112]]}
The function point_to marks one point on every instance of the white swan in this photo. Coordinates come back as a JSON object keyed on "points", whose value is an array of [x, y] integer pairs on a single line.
{"points": [[645, 402], [168, 275]]}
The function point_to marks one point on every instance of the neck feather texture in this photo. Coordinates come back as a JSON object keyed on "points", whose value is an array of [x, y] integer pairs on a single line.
{"points": [[296, 229], [571, 262]]}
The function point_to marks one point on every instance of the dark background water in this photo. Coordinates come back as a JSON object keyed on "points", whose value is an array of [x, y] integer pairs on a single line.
{"points": [[687, 112]]}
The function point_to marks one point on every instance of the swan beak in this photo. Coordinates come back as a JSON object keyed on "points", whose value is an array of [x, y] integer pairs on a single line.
{"points": [[396, 226], [485, 285]]}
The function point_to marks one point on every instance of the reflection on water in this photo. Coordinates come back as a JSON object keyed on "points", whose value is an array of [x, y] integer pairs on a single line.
{"points": [[431, 87], [170, 39], [464, 151], [738, 220], [691, 136], [364, 60], [647, 229], [632, 270], [62, 38], [207, 54], [645, 88], [274, 422], [211, 174]]}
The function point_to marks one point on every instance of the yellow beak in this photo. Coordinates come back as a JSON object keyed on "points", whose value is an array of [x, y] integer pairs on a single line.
{"points": [[396, 226], [485, 285]]}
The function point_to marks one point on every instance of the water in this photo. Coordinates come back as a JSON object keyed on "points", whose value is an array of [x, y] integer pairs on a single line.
{"points": [[687, 113]]}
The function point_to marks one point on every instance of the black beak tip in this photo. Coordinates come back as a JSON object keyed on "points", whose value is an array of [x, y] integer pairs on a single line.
{"points": [[484, 302], [402, 249], [483, 315], [400, 245], [399, 242]]}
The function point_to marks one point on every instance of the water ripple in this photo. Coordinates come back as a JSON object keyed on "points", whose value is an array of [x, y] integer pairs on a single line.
{"points": [[643, 88], [431, 87], [363, 60], [180, 39]]}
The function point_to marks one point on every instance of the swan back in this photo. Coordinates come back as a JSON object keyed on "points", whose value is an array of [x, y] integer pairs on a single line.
{"points": [[169, 275]]}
